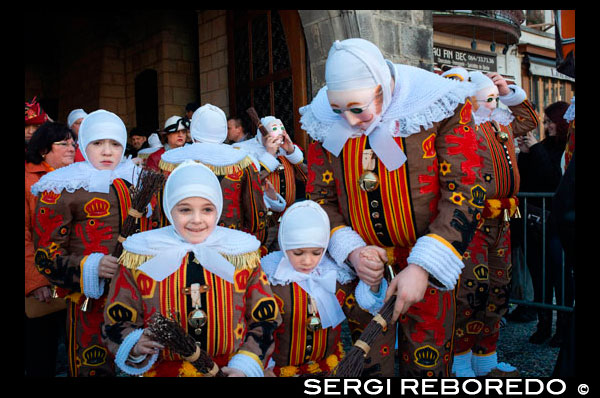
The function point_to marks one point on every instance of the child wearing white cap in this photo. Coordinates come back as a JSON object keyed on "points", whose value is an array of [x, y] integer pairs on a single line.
{"points": [[192, 266], [245, 205], [314, 295], [80, 212]]}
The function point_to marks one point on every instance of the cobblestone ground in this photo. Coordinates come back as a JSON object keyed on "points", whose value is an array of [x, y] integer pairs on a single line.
{"points": [[531, 360]]}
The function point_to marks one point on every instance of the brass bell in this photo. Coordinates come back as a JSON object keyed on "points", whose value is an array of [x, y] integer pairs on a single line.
{"points": [[53, 292], [368, 181], [502, 136], [197, 319], [313, 323], [506, 215], [85, 305], [517, 213]]}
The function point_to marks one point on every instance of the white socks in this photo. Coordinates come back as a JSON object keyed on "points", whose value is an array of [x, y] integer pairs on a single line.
{"points": [[482, 365], [461, 365]]}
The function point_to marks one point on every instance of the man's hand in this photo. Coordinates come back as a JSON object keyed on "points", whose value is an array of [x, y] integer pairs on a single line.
{"points": [[42, 294], [271, 144], [287, 145], [368, 262], [500, 82], [409, 286], [108, 267]]}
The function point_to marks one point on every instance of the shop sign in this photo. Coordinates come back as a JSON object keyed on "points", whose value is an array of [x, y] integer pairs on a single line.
{"points": [[467, 59]]}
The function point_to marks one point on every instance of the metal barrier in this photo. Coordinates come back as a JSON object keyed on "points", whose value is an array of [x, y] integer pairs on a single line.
{"points": [[523, 197]]}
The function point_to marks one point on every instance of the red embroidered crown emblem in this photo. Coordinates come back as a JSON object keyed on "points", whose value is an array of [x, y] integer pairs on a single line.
{"points": [[49, 197], [97, 208]]}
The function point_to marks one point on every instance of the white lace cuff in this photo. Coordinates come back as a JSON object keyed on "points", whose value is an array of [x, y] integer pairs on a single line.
{"points": [[93, 286], [438, 259], [276, 205], [369, 301], [295, 157], [246, 364], [268, 161], [516, 97], [123, 354], [342, 243]]}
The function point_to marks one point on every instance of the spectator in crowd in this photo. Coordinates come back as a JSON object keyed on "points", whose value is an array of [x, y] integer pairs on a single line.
{"points": [[34, 118], [173, 136], [74, 120], [235, 130], [539, 166], [154, 145], [138, 140], [51, 147]]}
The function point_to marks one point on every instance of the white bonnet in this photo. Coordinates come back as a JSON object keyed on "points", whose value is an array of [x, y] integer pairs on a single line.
{"points": [[457, 72], [101, 125], [74, 115], [209, 124], [304, 224], [192, 179]]}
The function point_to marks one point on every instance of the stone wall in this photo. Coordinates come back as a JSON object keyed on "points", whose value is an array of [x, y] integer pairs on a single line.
{"points": [[404, 36], [213, 63]]}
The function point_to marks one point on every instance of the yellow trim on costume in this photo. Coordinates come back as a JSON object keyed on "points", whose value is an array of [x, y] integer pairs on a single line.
{"points": [[251, 355], [247, 261], [81, 273], [445, 243], [335, 229], [218, 170]]}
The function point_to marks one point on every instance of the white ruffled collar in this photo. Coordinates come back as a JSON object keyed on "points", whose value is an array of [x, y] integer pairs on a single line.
{"points": [[420, 99], [83, 175], [220, 155], [167, 249]]}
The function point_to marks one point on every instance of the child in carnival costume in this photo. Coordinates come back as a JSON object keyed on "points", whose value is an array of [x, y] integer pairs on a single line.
{"points": [[395, 166], [80, 213], [482, 295], [314, 294], [188, 266], [245, 205], [280, 163]]}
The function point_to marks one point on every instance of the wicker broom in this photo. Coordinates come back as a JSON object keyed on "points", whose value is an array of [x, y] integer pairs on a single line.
{"points": [[170, 334], [148, 183], [353, 363]]}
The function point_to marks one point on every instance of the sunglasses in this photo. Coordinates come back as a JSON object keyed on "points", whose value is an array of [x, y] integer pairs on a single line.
{"points": [[489, 99], [356, 110], [174, 127]]}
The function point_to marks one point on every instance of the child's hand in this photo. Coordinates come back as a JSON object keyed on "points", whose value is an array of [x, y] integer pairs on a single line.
{"points": [[108, 267], [231, 372], [269, 190], [287, 145], [368, 262], [272, 144], [147, 346]]}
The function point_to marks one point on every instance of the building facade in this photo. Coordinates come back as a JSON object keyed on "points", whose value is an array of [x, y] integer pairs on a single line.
{"points": [[146, 65]]}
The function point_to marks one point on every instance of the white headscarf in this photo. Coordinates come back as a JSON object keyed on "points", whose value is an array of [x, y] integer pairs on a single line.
{"points": [[75, 115], [168, 247], [209, 124], [461, 73], [305, 224], [154, 141], [361, 57], [101, 125]]}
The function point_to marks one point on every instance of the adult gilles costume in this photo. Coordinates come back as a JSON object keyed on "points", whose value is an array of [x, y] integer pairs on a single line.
{"points": [[409, 183]]}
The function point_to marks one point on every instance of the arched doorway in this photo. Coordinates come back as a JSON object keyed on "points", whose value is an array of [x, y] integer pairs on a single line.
{"points": [[146, 100], [267, 67]]}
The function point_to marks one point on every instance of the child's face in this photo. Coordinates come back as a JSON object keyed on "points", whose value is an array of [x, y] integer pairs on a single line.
{"points": [[104, 154], [305, 259], [194, 218]]}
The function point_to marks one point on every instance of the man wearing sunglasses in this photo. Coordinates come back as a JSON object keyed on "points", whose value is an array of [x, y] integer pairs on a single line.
{"points": [[395, 166], [482, 299], [174, 135]]}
